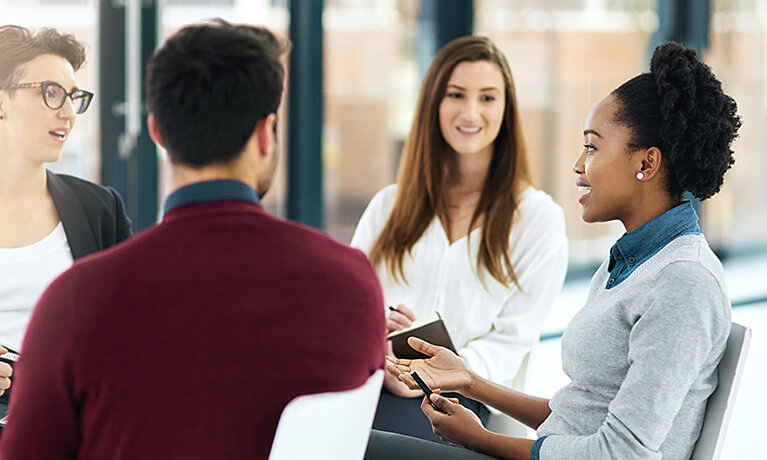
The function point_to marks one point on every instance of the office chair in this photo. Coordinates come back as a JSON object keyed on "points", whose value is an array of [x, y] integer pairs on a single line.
{"points": [[328, 426], [719, 407]]}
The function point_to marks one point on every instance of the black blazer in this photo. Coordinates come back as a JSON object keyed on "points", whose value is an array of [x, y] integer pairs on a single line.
{"points": [[93, 216]]}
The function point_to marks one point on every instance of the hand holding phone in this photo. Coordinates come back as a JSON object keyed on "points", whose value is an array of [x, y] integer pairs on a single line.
{"points": [[10, 356], [427, 391]]}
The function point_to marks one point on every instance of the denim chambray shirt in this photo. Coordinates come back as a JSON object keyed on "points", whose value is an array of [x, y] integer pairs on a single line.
{"points": [[208, 191], [633, 248]]}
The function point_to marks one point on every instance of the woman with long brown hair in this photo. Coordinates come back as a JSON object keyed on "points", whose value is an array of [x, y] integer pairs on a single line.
{"points": [[463, 232]]}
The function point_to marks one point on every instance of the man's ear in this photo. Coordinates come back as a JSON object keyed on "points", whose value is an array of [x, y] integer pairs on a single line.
{"points": [[266, 129], [154, 133], [650, 165]]}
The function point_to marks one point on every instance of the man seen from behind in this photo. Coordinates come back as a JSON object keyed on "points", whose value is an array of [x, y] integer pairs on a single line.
{"points": [[188, 340]]}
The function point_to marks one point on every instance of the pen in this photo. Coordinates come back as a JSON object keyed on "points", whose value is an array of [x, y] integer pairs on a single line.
{"points": [[393, 308], [426, 390]]}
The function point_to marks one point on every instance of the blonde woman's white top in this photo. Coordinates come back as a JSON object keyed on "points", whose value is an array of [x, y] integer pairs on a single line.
{"points": [[492, 326], [25, 272]]}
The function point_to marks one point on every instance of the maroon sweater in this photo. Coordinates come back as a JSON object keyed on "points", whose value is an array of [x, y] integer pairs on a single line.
{"points": [[187, 341]]}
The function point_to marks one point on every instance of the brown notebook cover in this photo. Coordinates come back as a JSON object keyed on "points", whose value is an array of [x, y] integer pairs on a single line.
{"points": [[431, 329]]}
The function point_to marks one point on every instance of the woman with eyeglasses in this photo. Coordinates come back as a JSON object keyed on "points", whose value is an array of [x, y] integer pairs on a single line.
{"points": [[47, 220]]}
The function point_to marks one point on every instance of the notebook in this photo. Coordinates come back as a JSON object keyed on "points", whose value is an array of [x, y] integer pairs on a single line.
{"points": [[431, 329]]}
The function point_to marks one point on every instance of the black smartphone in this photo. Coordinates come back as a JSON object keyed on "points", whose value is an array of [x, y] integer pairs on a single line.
{"points": [[10, 357], [425, 389]]}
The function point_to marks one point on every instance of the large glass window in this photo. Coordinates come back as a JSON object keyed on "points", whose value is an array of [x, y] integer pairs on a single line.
{"points": [[371, 84], [565, 56], [175, 14], [736, 218]]}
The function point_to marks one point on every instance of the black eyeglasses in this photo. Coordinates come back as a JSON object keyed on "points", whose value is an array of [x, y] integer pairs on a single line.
{"points": [[54, 95]]}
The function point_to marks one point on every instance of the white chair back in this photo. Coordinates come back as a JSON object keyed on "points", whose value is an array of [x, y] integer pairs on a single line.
{"points": [[719, 407], [328, 426]]}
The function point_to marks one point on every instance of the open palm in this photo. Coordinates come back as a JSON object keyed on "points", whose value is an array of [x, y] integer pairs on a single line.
{"points": [[443, 369]]}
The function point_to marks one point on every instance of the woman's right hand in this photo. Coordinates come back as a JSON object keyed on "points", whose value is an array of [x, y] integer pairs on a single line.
{"points": [[399, 318], [443, 369], [5, 374]]}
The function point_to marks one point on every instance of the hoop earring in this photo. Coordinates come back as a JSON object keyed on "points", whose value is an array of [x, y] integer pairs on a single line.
{"points": [[640, 175]]}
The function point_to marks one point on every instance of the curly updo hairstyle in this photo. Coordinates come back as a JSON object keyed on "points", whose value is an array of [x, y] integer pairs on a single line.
{"points": [[680, 108]]}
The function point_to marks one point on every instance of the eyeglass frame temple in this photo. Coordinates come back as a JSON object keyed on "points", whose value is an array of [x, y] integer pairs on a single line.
{"points": [[44, 84]]}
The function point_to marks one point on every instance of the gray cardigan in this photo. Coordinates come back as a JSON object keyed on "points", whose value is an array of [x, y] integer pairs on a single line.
{"points": [[642, 358]]}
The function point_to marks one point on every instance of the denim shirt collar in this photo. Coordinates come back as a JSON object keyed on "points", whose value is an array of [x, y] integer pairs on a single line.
{"points": [[634, 248], [209, 191]]}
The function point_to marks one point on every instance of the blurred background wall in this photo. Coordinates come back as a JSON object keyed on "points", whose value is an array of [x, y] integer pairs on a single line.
{"points": [[565, 56]]}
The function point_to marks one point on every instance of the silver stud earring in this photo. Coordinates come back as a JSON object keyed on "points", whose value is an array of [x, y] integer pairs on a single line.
{"points": [[640, 175]]}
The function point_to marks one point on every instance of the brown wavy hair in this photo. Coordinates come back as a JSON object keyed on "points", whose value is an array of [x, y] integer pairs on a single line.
{"points": [[423, 174], [19, 45]]}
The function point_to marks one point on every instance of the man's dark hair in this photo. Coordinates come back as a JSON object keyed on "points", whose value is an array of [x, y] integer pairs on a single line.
{"points": [[19, 45], [209, 85]]}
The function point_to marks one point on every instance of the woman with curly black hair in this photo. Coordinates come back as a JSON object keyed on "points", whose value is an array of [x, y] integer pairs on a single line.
{"points": [[642, 353]]}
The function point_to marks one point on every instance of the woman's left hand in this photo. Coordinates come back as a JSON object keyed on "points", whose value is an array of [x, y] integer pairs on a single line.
{"points": [[391, 377], [457, 425]]}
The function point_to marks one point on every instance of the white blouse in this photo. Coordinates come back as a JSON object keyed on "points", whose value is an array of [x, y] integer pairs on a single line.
{"points": [[492, 326], [25, 272]]}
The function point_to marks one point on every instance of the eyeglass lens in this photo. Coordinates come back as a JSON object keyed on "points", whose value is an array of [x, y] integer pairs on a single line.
{"points": [[55, 95]]}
